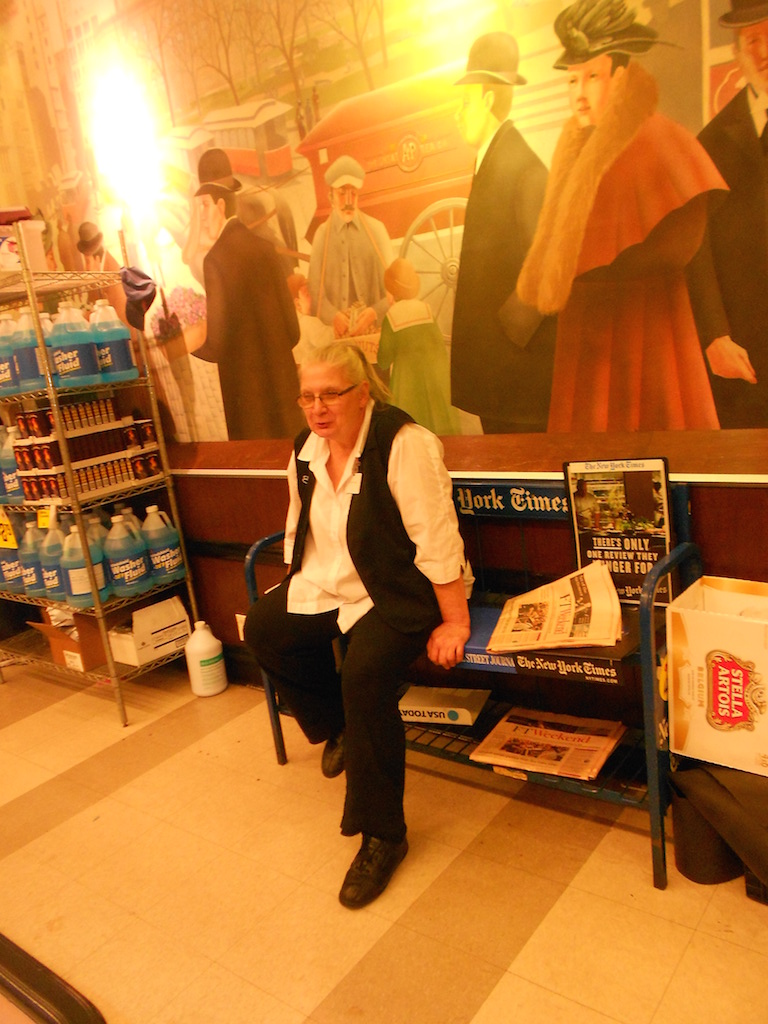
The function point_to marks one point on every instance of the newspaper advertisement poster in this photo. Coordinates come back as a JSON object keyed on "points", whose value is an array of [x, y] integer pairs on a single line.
{"points": [[538, 741], [620, 514]]}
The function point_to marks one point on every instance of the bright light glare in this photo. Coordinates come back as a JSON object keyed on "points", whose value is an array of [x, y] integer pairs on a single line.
{"points": [[124, 141]]}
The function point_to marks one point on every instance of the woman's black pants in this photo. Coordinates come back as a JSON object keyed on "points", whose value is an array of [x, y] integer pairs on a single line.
{"points": [[296, 652]]}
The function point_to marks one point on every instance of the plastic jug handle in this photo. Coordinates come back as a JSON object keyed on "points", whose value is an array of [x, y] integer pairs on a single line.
{"points": [[164, 516], [131, 527]]}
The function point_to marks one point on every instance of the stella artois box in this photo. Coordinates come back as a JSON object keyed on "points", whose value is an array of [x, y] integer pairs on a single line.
{"points": [[717, 646]]}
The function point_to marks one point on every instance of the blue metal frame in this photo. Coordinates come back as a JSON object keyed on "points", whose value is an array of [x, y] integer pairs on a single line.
{"points": [[254, 551]]}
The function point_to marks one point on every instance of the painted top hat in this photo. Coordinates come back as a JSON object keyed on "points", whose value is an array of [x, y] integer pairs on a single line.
{"points": [[744, 12], [90, 238], [493, 58], [214, 172], [590, 28]]}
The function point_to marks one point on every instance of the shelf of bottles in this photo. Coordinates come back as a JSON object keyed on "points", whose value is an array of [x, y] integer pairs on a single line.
{"points": [[69, 449]]}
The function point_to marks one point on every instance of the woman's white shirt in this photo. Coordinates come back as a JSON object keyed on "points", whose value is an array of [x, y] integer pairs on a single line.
{"points": [[422, 490]]}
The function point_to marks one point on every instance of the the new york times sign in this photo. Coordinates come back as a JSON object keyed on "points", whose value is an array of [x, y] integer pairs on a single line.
{"points": [[511, 499]]}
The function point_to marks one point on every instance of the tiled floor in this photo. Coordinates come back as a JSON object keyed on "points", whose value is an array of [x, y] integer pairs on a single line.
{"points": [[175, 874]]}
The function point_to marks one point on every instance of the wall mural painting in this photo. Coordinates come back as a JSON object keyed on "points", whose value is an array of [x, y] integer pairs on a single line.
{"points": [[530, 217]]}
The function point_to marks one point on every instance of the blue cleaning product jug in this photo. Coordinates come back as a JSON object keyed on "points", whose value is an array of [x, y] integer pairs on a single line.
{"points": [[51, 551], [113, 344], [26, 353], [164, 546], [9, 379], [29, 556], [13, 493], [130, 568], [11, 579], [75, 361], [73, 566]]}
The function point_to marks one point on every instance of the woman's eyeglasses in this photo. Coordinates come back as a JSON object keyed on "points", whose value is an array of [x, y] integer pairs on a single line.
{"points": [[328, 398]]}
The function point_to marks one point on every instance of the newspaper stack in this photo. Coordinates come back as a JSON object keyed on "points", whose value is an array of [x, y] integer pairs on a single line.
{"points": [[538, 741], [579, 610]]}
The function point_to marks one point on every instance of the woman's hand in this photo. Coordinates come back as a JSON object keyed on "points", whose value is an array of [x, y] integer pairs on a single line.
{"points": [[445, 646]]}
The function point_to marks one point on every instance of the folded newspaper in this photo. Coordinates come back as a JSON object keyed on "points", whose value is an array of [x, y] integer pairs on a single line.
{"points": [[537, 741], [579, 610]]}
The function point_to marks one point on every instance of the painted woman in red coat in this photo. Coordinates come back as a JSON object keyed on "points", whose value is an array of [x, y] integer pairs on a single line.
{"points": [[624, 214]]}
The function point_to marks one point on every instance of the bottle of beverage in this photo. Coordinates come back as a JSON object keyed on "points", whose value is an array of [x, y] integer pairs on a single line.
{"points": [[9, 380], [10, 566], [128, 563], [75, 360], [113, 344], [26, 354], [205, 662], [13, 491], [29, 556], [51, 551], [73, 566], [164, 546]]}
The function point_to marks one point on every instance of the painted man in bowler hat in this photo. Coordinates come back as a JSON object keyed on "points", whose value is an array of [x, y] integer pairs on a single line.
{"points": [[90, 245], [350, 252], [625, 212], [501, 351], [731, 272], [251, 320]]}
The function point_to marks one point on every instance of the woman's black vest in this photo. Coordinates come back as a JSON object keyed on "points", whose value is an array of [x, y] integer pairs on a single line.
{"points": [[381, 550]]}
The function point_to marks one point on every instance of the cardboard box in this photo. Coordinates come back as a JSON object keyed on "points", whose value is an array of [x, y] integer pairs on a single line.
{"points": [[717, 644], [154, 631], [78, 646], [441, 704]]}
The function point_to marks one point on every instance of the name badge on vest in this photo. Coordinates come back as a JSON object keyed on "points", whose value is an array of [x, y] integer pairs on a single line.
{"points": [[354, 484]]}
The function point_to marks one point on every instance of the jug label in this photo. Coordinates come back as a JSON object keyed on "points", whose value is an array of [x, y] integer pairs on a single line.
{"points": [[52, 578], [74, 361], [129, 570], [79, 582], [166, 560], [7, 375]]}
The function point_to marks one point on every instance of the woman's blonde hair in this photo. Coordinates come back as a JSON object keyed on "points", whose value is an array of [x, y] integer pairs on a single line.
{"points": [[352, 361]]}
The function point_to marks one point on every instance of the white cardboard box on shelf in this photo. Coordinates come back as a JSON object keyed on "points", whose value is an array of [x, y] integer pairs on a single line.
{"points": [[154, 631], [717, 644], [442, 704]]}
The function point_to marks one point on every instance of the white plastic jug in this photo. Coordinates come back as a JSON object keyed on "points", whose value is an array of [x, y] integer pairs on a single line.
{"points": [[205, 662]]}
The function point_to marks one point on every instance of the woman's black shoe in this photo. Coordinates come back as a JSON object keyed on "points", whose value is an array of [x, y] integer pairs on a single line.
{"points": [[333, 757], [371, 871]]}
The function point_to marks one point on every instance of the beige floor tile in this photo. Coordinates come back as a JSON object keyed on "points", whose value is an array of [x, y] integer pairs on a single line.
{"points": [[83, 842], [132, 977], [301, 842], [226, 808], [411, 979], [26, 881], [732, 916], [515, 999], [485, 910], [716, 981], [621, 870], [545, 832], [221, 903], [69, 926], [611, 958], [302, 950], [18, 776], [220, 997], [450, 812], [150, 866]]}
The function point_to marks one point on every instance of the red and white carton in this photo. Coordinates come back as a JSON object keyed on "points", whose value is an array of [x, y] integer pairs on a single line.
{"points": [[717, 645]]}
